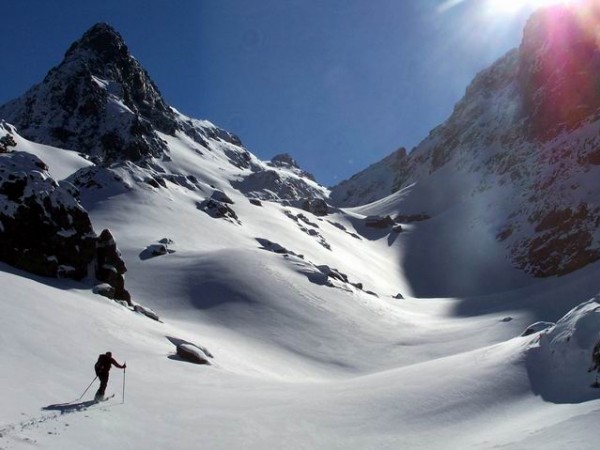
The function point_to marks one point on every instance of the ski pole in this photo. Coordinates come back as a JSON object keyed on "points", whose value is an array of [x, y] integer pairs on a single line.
{"points": [[124, 369], [86, 389]]}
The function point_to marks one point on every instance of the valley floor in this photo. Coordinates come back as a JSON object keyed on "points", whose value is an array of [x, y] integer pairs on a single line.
{"points": [[427, 380]]}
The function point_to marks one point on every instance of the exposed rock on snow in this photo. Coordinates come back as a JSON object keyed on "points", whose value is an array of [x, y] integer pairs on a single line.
{"points": [[333, 273], [400, 218], [222, 197], [110, 267], [42, 225], [159, 249], [317, 206], [44, 230], [192, 354], [217, 210], [379, 222], [105, 290], [339, 226], [272, 246], [302, 220], [96, 177], [278, 185], [146, 312]]}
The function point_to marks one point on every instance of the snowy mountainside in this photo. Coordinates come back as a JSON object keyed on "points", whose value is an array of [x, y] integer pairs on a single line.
{"points": [[316, 318], [101, 102], [518, 154]]}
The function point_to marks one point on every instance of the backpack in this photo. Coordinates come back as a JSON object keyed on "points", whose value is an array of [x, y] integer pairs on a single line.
{"points": [[102, 366]]}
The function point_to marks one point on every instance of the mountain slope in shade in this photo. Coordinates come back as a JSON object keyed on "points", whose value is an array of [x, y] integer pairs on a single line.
{"points": [[519, 154]]}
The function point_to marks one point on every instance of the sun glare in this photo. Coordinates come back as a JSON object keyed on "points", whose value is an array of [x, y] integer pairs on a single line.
{"points": [[513, 6]]}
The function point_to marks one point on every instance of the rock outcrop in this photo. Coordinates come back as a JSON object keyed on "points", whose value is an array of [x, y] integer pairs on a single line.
{"points": [[45, 230], [110, 267]]}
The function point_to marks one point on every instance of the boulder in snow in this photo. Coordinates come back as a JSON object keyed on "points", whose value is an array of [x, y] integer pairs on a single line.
{"points": [[379, 222], [222, 197], [333, 273], [272, 246], [317, 206], [217, 209], [146, 312], [159, 249], [192, 353], [105, 290]]}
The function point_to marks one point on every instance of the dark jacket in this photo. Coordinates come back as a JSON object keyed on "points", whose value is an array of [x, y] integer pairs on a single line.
{"points": [[104, 364]]}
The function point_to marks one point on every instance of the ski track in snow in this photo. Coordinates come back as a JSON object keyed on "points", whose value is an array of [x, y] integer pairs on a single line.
{"points": [[47, 424]]}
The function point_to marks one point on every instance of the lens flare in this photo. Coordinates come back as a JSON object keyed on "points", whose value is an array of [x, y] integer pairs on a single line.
{"points": [[514, 6]]}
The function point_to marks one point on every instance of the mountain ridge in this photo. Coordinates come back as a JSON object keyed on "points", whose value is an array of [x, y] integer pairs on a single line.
{"points": [[526, 133]]}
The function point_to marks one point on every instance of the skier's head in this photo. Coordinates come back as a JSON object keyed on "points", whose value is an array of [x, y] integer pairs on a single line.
{"points": [[109, 354]]}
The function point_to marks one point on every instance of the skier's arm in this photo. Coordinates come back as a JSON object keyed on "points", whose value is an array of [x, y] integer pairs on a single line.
{"points": [[116, 364]]}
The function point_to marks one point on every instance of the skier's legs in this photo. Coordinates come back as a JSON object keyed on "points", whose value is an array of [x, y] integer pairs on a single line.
{"points": [[102, 388]]}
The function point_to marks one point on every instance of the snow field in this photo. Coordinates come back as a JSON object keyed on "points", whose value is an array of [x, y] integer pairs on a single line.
{"points": [[296, 364]]}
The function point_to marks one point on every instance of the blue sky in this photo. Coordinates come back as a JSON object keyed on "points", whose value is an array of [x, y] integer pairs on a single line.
{"points": [[339, 84]]}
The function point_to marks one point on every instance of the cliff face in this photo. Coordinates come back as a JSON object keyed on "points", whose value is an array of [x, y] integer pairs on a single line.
{"points": [[521, 149]]}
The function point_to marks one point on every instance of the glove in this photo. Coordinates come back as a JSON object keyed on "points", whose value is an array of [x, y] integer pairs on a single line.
{"points": [[125, 366]]}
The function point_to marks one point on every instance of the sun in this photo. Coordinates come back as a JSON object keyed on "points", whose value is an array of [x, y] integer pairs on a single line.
{"points": [[513, 6]]}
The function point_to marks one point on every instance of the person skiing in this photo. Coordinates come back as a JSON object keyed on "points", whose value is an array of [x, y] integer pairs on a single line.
{"points": [[102, 368]]}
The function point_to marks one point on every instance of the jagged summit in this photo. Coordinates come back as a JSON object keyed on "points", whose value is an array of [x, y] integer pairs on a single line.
{"points": [[284, 159], [103, 40], [99, 100]]}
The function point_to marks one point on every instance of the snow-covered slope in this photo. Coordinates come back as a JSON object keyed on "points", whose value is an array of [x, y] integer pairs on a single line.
{"points": [[300, 359]]}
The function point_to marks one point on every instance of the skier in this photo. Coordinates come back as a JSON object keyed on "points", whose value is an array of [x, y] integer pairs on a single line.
{"points": [[102, 368]]}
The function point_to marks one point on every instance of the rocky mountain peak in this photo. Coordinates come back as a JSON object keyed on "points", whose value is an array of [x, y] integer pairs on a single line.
{"points": [[101, 40], [99, 100], [285, 160]]}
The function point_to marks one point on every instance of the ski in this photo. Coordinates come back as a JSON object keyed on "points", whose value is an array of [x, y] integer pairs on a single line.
{"points": [[104, 399]]}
